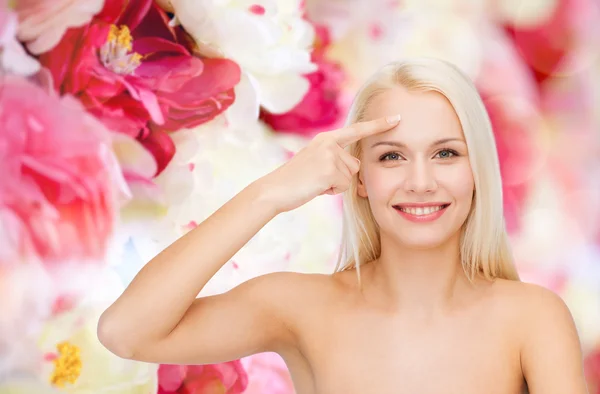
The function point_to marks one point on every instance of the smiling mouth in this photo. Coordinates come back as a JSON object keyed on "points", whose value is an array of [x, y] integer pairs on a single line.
{"points": [[421, 211]]}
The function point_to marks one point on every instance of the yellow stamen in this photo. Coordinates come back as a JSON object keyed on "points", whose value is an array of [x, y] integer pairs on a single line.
{"points": [[120, 36], [67, 366], [113, 33], [136, 57], [125, 38], [116, 54]]}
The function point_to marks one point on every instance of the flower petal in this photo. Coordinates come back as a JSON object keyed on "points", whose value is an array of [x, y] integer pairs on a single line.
{"points": [[245, 108], [134, 13], [279, 94], [148, 99], [162, 148]]}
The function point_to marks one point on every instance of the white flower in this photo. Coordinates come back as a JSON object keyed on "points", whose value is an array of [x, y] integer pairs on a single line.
{"points": [[214, 162], [87, 366], [369, 34], [44, 23], [13, 58], [270, 41]]}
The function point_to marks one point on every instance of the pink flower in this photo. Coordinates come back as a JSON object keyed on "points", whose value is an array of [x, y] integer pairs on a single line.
{"points": [[135, 73], [43, 23], [224, 378], [509, 92], [58, 191], [319, 109], [267, 373], [559, 40], [592, 371]]}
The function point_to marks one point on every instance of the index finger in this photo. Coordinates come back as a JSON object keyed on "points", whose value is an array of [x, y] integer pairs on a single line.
{"points": [[360, 130]]}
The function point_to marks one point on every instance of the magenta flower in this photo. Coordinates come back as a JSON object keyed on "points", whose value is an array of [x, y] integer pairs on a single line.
{"points": [[136, 74]]}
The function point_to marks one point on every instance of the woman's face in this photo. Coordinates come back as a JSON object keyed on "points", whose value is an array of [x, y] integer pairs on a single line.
{"points": [[417, 175]]}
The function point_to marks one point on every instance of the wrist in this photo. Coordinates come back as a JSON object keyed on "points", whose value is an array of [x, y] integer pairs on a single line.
{"points": [[264, 197]]}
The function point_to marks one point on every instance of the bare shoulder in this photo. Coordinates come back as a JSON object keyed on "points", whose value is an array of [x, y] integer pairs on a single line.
{"points": [[550, 349], [534, 308], [289, 286], [294, 295], [528, 299]]}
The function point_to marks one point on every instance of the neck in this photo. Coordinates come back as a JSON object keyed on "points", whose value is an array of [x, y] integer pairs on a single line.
{"points": [[420, 281]]}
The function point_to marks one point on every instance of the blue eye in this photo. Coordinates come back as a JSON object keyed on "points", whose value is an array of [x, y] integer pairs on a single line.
{"points": [[390, 156], [446, 153]]}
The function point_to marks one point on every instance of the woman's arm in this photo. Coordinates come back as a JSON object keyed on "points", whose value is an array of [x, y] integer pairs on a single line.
{"points": [[159, 319], [551, 356]]}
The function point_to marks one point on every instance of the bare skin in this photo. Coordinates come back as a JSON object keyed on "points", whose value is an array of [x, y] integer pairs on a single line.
{"points": [[416, 325]]}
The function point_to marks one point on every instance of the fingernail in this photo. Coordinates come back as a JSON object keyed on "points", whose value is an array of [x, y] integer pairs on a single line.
{"points": [[393, 119]]}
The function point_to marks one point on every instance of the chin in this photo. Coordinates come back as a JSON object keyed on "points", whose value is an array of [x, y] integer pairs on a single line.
{"points": [[425, 241], [424, 238]]}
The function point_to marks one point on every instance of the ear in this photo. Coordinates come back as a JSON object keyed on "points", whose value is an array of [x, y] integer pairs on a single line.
{"points": [[361, 190]]}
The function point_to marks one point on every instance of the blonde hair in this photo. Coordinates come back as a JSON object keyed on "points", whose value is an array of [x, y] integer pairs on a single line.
{"points": [[484, 245]]}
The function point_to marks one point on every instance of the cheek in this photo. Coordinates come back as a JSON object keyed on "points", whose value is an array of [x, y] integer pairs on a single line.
{"points": [[379, 184], [458, 180]]}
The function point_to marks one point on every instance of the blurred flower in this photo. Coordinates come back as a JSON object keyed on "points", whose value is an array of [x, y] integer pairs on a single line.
{"points": [[26, 294], [75, 361], [22, 385], [131, 70], [214, 162], [58, 194], [269, 39], [13, 58], [554, 37], [43, 23], [226, 378], [592, 371], [509, 92], [267, 373], [319, 109]]}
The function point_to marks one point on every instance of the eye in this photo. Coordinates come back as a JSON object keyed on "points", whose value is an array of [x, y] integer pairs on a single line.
{"points": [[446, 154], [390, 156]]}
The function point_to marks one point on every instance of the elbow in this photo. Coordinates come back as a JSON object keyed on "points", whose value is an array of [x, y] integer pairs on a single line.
{"points": [[114, 339]]}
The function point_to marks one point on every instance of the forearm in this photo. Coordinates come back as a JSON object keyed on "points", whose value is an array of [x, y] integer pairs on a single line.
{"points": [[158, 297]]}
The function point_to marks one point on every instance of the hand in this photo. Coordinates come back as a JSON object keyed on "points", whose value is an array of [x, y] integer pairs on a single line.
{"points": [[322, 167]]}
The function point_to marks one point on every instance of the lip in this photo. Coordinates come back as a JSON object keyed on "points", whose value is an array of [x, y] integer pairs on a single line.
{"points": [[422, 218], [422, 204]]}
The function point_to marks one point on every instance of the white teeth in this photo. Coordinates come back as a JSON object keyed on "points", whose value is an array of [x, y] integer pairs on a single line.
{"points": [[421, 211]]}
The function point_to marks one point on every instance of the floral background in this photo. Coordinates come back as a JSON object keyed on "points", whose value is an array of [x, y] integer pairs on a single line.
{"points": [[125, 123]]}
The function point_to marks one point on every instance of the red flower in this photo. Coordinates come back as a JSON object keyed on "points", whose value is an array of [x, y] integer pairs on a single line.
{"points": [[135, 73], [319, 109], [224, 378]]}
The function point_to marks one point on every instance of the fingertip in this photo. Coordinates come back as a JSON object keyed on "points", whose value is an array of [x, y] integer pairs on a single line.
{"points": [[393, 119]]}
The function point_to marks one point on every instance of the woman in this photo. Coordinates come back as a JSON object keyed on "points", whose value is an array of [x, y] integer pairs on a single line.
{"points": [[426, 298]]}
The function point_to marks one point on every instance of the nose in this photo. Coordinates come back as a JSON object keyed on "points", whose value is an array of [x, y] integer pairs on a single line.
{"points": [[420, 178]]}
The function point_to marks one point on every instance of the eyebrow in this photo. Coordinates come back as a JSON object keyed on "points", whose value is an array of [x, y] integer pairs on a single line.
{"points": [[401, 145]]}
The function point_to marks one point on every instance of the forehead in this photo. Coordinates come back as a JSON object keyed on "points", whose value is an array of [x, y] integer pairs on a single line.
{"points": [[426, 114]]}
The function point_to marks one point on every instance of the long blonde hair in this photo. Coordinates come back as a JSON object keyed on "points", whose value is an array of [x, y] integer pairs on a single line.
{"points": [[484, 245]]}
